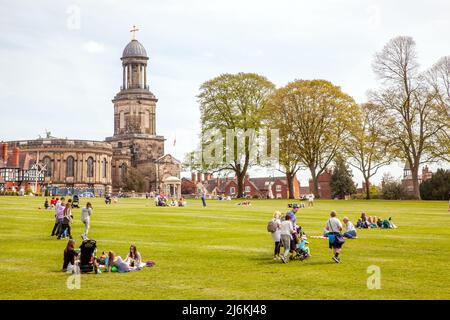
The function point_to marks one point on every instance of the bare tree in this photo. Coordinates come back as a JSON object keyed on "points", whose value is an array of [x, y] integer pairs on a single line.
{"points": [[368, 148], [410, 103], [439, 79]]}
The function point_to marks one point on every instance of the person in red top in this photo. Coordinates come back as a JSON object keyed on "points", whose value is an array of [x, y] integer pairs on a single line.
{"points": [[53, 202]]}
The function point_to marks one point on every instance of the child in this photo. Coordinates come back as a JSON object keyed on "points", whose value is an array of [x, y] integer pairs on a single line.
{"points": [[303, 248], [46, 205]]}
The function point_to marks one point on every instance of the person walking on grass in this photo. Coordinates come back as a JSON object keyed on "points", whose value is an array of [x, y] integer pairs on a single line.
{"points": [[335, 239], [286, 237], [203, 200], [67, 221], [276, 234], [86, 219], [59, 209]]}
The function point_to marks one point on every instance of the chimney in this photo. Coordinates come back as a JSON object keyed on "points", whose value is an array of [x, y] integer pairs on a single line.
{"points": [[247, 176], [15, 162], [5, 152], [193, 176], [425, 170], [199, 177]]}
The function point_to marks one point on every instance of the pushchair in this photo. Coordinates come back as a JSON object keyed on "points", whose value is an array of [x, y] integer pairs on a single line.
{"points": [[76, 201], [301, 251], [87, 261]]}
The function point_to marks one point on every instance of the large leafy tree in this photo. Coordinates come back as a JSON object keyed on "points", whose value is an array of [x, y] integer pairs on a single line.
{"points": [[368, 147], [317, 118], [437, 187], [133, 180], [341, 183], [279, 116], [232, 102], [411, 104]]}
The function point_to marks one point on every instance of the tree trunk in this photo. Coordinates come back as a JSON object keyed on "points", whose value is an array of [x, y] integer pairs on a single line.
{"points": [[315, 182], [415, 180], [366, 180], [290, 182], [240, 184]]}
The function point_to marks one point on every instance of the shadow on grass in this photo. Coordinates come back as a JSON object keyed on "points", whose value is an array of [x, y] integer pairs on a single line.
{"points": [[264, 260]]}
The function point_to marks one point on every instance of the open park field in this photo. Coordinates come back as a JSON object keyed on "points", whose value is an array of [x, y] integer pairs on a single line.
{"points": [[224, 252]]}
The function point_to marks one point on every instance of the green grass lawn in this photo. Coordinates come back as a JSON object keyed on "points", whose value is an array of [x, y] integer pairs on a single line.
{"points": [[224, 252]]}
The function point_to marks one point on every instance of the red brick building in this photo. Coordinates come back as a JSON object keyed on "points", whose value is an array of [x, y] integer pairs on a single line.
{"points": [[324, 180], [407, 178], [264, 187]]}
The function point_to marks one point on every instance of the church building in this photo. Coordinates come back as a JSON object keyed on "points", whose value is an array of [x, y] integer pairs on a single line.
{"points": [[75, 166]]}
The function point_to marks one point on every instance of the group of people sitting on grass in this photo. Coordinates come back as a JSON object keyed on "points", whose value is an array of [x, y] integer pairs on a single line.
{"points": [[366, 222], [108, 261], [162, 201]]}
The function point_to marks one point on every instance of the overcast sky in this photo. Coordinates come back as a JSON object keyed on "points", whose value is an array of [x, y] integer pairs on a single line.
{"points": [[60, 60]]}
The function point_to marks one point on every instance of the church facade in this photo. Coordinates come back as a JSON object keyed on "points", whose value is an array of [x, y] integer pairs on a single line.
{"points": [[73, 166]]}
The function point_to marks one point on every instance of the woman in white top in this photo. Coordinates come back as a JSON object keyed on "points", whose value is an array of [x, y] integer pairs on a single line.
{"points": [[276, 236], [86, 219], [286, 236], [350, 231], [335, 240]]}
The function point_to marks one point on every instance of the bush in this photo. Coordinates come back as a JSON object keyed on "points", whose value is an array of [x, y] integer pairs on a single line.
{"points": [[394, 190], [437, 187]]}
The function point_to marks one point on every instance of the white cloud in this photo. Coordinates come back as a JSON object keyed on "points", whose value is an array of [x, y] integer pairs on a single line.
{"points": [[93, 47]]}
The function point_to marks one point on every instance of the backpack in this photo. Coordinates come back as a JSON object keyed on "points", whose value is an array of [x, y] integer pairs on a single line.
{"points": [[272, 226]]}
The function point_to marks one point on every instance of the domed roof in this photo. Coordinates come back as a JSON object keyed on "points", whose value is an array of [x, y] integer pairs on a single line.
{"points": [[134, 49]]}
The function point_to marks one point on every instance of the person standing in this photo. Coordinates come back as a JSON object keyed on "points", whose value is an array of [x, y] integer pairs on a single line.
{"points": [[86, 219], [292, 213], [335, 240], [311, 200], [286, 237], [203, 200], [67, 220], [59, 208], [276, 235]]}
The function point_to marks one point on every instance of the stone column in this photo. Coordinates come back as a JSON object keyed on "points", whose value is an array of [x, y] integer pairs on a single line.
{"points": [[123, 78], [145, 76]]}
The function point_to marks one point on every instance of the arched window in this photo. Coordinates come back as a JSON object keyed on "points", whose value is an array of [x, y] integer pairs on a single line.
{"points": [[90, 167], [104, 168], [123, 170], [48, 166], [70, 166]]}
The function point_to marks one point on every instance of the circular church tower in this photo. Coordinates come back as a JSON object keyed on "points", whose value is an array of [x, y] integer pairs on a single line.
{"points": [[135, 143]]}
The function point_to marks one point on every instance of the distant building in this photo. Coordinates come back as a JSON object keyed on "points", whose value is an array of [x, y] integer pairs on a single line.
{"points": [[407, 180], [264, 187], [323, 180], [18, 170]]}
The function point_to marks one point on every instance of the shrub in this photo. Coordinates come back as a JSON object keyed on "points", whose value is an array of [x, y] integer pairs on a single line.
{"points": [[394, 190], [437, 187]]}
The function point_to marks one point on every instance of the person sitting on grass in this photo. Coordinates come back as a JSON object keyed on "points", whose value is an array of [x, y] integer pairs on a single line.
{"points": [[117, 262], [69, 256], [372, 223], [350, 231], [182, 202], [388, 224], [133, 257], [362, 222], [46, 205]]}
